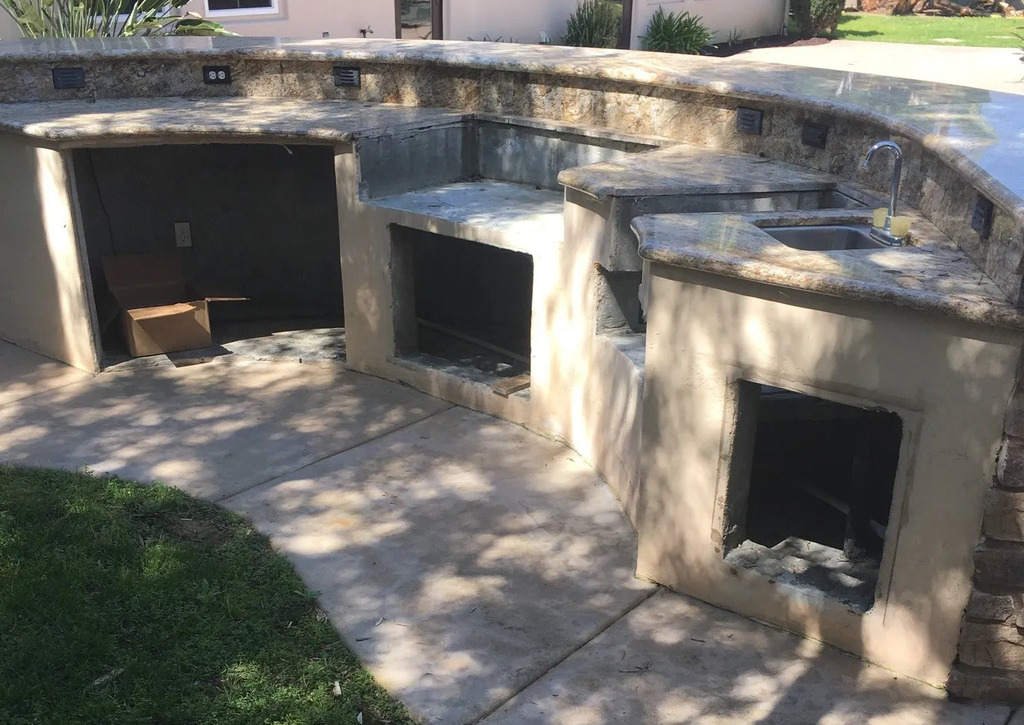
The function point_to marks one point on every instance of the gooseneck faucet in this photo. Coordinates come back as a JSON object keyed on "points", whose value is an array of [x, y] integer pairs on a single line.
{"points": [[884, 234]]}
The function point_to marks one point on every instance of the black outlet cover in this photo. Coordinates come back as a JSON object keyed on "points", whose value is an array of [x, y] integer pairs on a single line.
{"points": [[814, 134], [749, 120], [68, 78], [217, 75], [981, 217], [347, 77]]}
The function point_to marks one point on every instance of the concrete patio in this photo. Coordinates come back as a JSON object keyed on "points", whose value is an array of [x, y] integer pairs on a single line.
{"points": [[993, 69], [482, 573]]}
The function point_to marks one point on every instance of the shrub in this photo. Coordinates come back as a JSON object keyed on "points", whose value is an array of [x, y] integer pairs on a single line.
{"points": [[672, 33], [594, 24], [815, 17], [106, 18], [825, 16]]}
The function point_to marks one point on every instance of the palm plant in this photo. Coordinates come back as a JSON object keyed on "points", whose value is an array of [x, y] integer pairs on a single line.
{"points": [[106, 18]]}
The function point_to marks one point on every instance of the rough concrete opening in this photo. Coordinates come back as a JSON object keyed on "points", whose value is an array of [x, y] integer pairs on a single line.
{"points": [[263, 222], [810, 491], [461, 304], [618, 302]]}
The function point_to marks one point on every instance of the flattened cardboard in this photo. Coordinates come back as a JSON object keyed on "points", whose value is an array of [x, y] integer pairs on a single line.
{"points": [[161, 311]]}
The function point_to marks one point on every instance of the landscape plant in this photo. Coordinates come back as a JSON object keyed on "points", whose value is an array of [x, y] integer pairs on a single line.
{"points": [[814, 18], [676, 33], [107, 18], [594, 24], [825, 16]]}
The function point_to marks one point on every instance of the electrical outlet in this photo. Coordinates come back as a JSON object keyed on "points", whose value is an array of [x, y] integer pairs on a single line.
{"points": [[183, 234], [217, 75]]}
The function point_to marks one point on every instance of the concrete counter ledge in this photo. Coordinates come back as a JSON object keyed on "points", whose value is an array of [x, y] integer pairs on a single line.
{"points": [[465, 211]]}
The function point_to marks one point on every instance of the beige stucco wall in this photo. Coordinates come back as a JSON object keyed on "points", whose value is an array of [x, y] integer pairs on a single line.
{"points": [[521, 21], [8, 28], [750, 18], [43, 291], [311, 19], [948, 382], [464, 19]]}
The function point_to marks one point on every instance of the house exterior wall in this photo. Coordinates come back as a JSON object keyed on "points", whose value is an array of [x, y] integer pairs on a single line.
{"points": [[310, 19], [520, 22], [464, 19], [8, 28], [749, 18]]}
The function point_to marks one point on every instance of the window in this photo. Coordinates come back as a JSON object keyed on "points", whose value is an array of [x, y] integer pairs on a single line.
{"points": [[241, 7]]}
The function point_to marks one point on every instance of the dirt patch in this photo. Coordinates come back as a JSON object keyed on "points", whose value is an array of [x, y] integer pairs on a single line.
{"points": [[180, 528]]}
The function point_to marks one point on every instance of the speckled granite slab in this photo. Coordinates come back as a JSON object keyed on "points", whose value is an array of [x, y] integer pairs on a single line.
{"points": [[80, 121], [982, 125], [692, 169], [932, 275]]}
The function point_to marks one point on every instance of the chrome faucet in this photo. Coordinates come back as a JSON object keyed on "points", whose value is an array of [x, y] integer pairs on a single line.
{"points": [[884, 233]]}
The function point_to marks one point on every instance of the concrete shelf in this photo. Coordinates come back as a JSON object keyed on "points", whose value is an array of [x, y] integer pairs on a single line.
{"points": [[512, 216]]}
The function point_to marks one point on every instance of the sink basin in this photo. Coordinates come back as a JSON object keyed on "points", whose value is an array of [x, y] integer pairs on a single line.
{"points": [[826, 238]]}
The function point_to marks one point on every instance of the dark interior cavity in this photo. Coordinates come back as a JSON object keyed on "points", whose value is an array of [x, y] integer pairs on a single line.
{"points": [[263, 220], [811, 490], [462, 302]]}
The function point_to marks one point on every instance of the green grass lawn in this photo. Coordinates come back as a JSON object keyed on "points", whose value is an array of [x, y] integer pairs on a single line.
{"points": [[122, 603], [982, 32]]}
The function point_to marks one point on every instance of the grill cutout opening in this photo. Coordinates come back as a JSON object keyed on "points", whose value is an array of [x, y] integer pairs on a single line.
{"points": [[461, 306], [810, 490]]}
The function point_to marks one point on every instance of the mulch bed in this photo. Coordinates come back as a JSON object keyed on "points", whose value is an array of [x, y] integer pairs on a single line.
{"points": [[724, 50]]}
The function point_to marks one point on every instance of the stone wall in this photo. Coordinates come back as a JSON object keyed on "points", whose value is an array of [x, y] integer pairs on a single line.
{"points": [[990, 664]]}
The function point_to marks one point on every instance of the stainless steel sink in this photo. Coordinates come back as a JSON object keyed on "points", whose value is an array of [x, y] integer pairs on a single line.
{"points": [[826, 238]]}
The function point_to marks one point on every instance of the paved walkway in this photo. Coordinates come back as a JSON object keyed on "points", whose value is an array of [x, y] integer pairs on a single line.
{"points": [[482, 573], [994, 69]]}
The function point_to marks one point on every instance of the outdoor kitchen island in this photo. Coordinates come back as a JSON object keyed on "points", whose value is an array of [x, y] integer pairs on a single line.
{"points": [[676, 366]]}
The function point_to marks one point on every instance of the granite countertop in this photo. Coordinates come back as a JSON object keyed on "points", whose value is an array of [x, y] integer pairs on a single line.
{"points": [[981, 127], [74, 122], [691, 169], [930, 275]]}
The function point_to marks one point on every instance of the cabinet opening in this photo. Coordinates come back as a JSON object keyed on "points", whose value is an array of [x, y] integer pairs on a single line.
{"points": [[810, 490], [254, 223], [460, 305]]}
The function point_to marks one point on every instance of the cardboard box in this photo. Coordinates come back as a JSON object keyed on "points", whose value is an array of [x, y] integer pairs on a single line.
{"points": [[160, 310]]}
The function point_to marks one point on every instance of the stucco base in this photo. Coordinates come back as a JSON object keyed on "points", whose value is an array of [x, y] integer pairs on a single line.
{"points": [[949, 384]]}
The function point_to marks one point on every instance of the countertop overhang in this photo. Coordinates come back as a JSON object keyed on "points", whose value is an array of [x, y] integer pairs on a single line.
{"points": [[78, 122]]}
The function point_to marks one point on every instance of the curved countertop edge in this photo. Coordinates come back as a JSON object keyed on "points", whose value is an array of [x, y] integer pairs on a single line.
{"points": [[644, 68], [678, 240], [238, 117]]}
